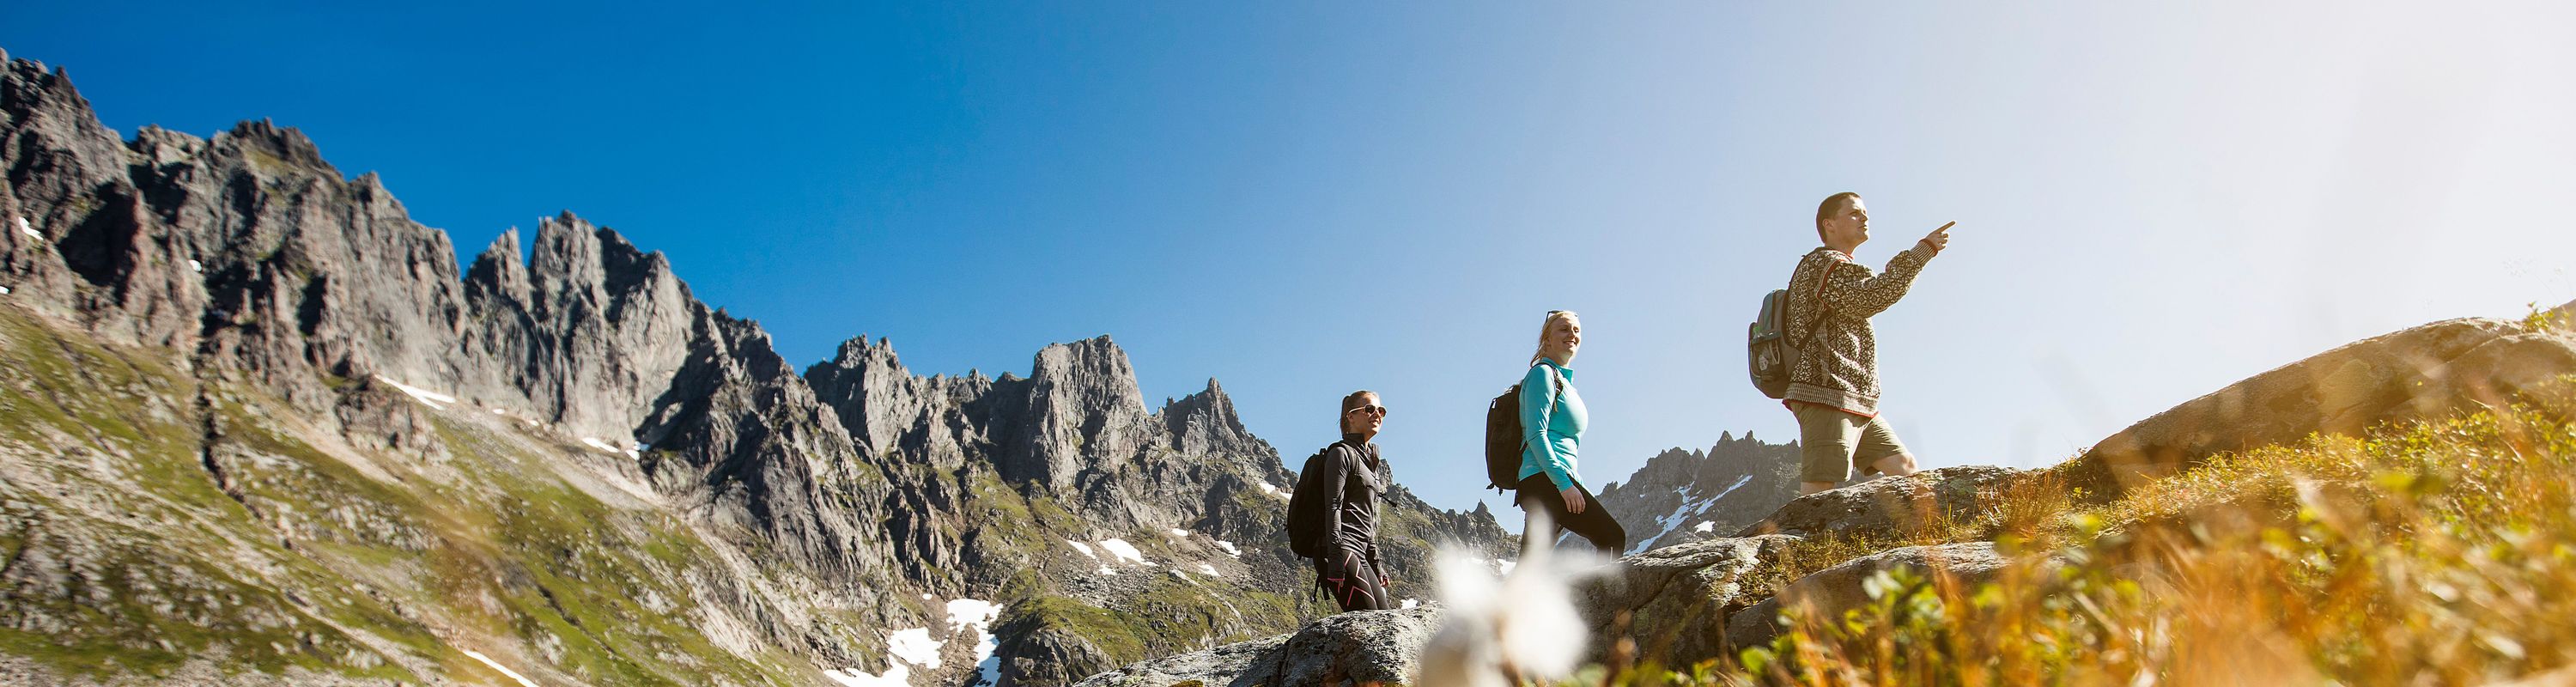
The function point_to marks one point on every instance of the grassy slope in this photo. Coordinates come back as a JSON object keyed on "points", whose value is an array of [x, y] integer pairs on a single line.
{"points": [[2440, 552], [1171, 615], [377, 564], [318, 565]]}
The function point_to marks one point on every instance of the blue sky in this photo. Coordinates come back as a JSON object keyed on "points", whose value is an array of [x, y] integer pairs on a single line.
{"points": [[1306, 199]]}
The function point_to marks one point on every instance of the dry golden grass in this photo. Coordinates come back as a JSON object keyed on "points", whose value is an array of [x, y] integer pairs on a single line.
{"points": [[2439, 553]]}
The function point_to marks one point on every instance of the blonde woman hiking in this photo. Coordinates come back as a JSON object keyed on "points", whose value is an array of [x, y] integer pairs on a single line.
{"points": [[1552, 419]]}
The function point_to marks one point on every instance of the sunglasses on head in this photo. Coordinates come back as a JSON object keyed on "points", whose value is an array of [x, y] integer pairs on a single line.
{"points": [[1372, 409]]}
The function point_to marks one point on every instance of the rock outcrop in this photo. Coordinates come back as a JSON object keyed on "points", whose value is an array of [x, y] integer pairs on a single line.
{"points": [[2417, 373], [1679, 598], [1364, 646], [1890, 507]]}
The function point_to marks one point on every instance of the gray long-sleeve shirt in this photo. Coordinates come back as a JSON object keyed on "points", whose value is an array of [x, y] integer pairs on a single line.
{"points": [[1352, 509]]}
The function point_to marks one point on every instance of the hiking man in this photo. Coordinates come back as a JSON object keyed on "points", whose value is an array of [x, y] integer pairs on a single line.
{"points": [[1833, 388]]}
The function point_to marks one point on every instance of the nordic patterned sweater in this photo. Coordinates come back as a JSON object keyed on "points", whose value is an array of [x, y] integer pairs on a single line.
{"points": [[1839, 367]]}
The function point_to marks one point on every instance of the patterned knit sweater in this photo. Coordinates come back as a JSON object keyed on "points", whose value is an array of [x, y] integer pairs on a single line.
{"points": [[1839, 367]]}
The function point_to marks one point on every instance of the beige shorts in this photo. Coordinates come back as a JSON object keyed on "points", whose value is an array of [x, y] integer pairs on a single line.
{"points": [[1833, 445]]}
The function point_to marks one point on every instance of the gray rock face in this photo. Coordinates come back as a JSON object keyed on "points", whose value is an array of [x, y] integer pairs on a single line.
{"points": [[1679, 597], [1241, 664], [1686, 496], [589, 336], [1364, 646], [1828, 593], [1189, 466], [1888, 507], [1079, 411], [758, 452]]}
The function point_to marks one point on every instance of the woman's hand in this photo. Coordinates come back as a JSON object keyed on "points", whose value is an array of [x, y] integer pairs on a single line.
{"points": [[1573, 499]]}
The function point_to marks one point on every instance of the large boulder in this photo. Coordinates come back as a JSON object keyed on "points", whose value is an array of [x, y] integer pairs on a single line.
{"points": [[1890, 507], [1678, 597], [2426, 372], [1364, 646], [1829, 592], [1240, 663]]}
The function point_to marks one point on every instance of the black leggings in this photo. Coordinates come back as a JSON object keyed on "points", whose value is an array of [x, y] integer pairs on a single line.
{"points": [[1594, 524], [1347, 576]]}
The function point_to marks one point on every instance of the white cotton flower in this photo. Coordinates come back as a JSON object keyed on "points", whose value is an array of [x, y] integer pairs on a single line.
{"points": [[1526, 620]]}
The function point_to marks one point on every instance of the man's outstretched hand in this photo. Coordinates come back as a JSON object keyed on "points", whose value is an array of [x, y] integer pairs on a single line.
{"points": [[1932, 243]]}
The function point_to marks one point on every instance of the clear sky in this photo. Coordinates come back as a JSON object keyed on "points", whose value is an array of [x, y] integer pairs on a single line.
{"points": [[1301, 199]]}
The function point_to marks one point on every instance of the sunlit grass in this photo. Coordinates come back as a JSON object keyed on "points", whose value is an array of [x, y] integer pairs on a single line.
{"points": [[2435, 553]]}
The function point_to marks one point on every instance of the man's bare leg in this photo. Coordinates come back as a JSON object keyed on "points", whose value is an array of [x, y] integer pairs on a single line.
{"points": [[1898, 465], [1805, 488]]}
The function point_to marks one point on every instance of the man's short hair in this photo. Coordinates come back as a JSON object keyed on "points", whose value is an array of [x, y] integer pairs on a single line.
{"points": [[1826, 209]]}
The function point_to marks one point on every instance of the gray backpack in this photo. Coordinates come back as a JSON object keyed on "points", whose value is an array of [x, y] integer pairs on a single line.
{"points": [[1769, 351]]}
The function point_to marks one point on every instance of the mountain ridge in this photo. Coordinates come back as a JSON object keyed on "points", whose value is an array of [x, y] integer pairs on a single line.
{"points": [[572, 438]]}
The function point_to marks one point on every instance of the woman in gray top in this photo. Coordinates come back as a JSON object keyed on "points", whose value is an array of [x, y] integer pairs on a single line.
{"points": [[1351, 569]]}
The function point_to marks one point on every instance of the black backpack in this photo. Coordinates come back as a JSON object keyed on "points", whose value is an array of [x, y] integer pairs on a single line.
{"points": [[1306, 517], [1504, 441], [1768, 351]]}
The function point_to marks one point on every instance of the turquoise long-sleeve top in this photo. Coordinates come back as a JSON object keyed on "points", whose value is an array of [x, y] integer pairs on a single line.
{"points": [[1551, 423]]}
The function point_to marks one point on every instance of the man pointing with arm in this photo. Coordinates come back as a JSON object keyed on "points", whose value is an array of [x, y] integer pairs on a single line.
{"points": [[1833, 389]]}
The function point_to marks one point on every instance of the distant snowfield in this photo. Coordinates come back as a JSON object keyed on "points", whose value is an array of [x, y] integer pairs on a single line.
{"points": [[895, 676], [434, 399], [1229, 548], [915, 646], [496, 665], [1682, 514], [979, 614], [1124, 551]]}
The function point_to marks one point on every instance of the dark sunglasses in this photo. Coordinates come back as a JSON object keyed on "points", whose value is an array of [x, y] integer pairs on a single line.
{"points": [[1372, 409]]}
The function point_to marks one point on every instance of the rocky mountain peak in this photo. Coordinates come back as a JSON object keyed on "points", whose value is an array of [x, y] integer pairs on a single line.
{"points": [[1094, 369], [877, 399], [162, 146], [498, 269], [1081, 410], [31, 89], [1689, 495], [1204, 419], [267, 145], [572, 254]]}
